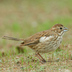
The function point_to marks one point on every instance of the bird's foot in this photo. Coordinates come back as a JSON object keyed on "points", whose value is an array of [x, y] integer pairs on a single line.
{"points": [[43, 61]]}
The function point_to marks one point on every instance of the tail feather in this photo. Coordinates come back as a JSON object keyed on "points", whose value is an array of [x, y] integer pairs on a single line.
{"points": [[11, 38]]}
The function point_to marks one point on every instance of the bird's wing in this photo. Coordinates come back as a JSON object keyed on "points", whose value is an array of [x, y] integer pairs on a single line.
{"points": [[37, 38]]}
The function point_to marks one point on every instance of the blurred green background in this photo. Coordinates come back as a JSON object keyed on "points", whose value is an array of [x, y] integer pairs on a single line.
{"points": [[22, 18]]}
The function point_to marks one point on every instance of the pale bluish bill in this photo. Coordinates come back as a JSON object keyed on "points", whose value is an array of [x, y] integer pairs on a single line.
{"points": [[65, 29]]}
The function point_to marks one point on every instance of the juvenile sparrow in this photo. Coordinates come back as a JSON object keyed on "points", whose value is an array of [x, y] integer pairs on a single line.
{"points": [[44, 41]]}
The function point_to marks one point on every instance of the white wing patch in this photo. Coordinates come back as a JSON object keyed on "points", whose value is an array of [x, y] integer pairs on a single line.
{"points": [[43, 39]]}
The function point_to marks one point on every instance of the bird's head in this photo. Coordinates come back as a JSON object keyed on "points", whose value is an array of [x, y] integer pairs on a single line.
{"points": [[59, 28]]}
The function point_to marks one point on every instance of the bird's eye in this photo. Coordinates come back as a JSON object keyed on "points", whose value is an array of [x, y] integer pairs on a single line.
{"points": [[60, 28]]}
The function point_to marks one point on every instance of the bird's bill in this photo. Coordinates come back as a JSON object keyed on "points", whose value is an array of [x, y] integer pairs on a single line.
{"points": [[65, 29]]}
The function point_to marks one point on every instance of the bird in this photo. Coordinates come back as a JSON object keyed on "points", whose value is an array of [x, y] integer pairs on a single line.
{"points": [[44, 41]]}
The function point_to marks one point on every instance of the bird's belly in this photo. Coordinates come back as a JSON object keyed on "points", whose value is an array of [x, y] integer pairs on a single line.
{"points": [[48, 46]]}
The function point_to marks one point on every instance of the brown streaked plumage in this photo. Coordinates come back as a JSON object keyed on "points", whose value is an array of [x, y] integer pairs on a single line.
{"points": [[45, 41]]}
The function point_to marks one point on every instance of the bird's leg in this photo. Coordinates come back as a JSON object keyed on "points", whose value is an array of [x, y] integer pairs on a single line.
{"points": [[41, 58]]}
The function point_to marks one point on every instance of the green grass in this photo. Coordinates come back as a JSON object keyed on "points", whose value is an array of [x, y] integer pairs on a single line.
{"points": [[24, 18]]}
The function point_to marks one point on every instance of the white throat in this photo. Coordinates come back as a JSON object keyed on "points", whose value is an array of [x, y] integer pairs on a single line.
{"points": [[61, 34]]}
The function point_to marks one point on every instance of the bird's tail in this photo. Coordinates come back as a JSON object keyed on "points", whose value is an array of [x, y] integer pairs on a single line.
{"points": [[11, 38]]}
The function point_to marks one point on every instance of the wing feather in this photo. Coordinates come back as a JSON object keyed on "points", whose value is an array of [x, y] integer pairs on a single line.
{"points": [[34, 39]]}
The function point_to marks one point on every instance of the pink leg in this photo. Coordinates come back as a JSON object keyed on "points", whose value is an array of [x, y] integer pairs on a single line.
{"points": [[40, 58]]}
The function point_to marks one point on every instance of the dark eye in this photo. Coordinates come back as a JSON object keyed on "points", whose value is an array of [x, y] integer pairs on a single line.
{"points": [[60, 28]]}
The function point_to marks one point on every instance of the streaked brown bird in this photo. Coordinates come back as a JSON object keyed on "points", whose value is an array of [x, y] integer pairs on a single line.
{"points": [[44, 41]]}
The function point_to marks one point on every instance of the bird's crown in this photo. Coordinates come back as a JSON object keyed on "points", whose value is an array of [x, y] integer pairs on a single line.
{"points": [[59, 28]]}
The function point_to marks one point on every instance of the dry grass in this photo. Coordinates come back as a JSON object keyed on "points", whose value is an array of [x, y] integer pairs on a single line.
{"points": [[22, 18]]}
